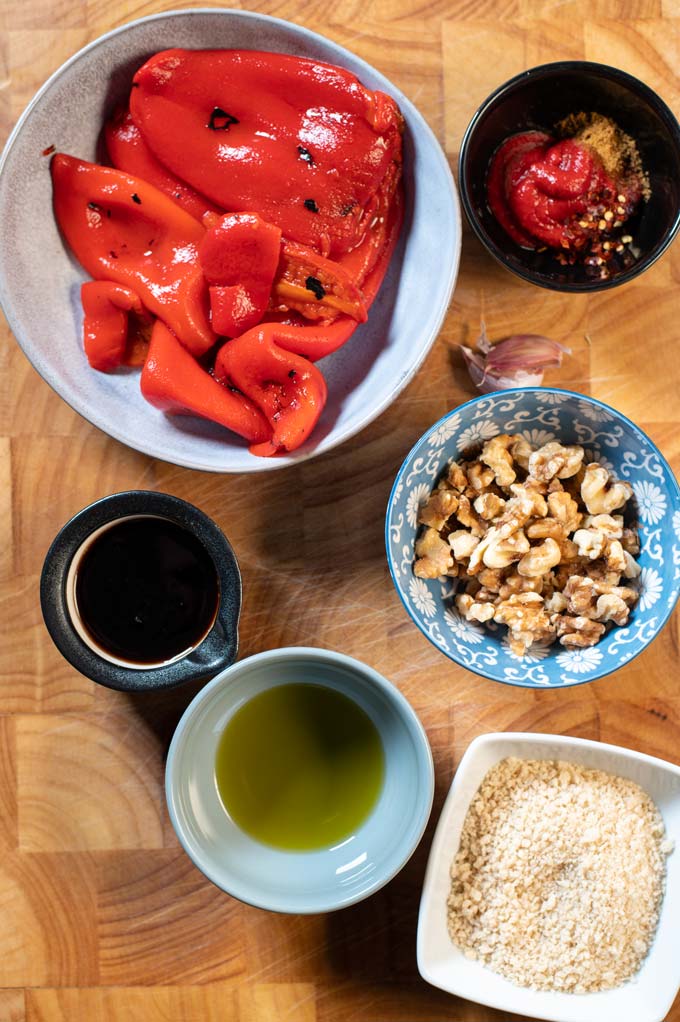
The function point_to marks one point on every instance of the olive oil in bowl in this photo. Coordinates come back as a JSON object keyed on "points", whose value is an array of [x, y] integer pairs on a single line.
{"points": [[299, 767]]}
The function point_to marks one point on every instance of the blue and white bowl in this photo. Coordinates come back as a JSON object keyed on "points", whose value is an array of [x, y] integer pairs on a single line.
{"points": [[540, 414]]}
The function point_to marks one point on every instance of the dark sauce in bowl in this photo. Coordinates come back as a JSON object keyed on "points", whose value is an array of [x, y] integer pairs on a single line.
{"points": [[146, 590]]}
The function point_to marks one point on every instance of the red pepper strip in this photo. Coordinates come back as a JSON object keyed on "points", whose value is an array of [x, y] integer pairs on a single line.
{"points": [[315, 287], [315, 342], [382, 222], [240, 253], [300, 142], [129, 152], [105, 322], [311, 342], [174, 382], [120, 228], [290, 390], [232, 310]]}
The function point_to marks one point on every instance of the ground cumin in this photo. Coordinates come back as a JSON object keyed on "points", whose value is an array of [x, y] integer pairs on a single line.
{"points": [[558, 880], [617, 150]]}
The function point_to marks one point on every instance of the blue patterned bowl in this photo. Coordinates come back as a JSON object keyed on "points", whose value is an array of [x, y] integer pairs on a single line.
{"points": [[539, 414]]}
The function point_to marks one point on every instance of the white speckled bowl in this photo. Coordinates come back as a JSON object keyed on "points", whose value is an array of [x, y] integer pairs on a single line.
{"points": [[39, 284]]}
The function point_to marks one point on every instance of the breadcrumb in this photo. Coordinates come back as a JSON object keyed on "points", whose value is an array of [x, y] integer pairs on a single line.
{"points": [[559, 877]]}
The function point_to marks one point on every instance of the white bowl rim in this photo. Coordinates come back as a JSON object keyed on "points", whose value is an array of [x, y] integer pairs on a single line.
{"points": [[673, 482], [260, 464], [374, 677], [506, 738]]}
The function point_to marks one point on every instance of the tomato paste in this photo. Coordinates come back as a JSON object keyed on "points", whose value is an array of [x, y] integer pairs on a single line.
{"points": [[556, 194]]}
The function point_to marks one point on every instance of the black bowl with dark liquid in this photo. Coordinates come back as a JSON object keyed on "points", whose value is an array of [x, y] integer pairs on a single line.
{"points": [[142, 591], [538, 99]]}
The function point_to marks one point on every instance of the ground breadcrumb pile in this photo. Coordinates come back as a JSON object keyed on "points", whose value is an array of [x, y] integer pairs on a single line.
{"points": [[559, 877]]}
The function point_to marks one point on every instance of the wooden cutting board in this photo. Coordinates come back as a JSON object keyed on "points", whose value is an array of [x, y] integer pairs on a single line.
{"points": [[102, 916]]}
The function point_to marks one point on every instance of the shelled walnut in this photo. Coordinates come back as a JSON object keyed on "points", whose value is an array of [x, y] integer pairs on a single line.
{"points": [[544, 557]]}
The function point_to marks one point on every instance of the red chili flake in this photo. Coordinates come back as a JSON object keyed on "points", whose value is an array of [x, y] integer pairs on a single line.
{"points": [[50, 149]]}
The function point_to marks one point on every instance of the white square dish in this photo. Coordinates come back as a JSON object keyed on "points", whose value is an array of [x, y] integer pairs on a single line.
{"points": [[650, 994]]}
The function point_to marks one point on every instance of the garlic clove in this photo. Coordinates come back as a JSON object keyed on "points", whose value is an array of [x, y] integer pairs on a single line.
{"points": [[516, 361], [476, 366], [525, 352]]}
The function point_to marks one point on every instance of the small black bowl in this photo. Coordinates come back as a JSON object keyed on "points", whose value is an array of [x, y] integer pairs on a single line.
{"points": [[538, 99], [216, 651]]}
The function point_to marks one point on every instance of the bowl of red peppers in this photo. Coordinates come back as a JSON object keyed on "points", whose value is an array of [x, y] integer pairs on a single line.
{"points": [[223, 239]]}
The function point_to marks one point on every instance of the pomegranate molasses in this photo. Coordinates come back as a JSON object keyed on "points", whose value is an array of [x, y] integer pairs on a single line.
{"points": [[146, 590]]}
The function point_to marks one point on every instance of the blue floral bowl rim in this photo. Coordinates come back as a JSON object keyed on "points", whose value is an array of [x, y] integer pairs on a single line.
{"points": [[674, 487]]}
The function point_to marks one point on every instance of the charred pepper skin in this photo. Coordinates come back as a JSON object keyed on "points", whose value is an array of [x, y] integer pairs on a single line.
{"points": [[317, 288], [300, 142]]}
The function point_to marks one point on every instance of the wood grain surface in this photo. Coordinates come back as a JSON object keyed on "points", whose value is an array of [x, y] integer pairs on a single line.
{"points": [[102, 916]]}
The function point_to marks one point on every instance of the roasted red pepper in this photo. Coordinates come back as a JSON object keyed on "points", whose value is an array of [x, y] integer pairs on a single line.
{"points": [[239, 256], [138, 339], [232, 310], [129, 152], [317, 288], [311, 342], [383, 220], [316, 160], [122, 229], [105, 322], [174, 382], [369, 262], [255, 268], [290, 390], [302, 143]]}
